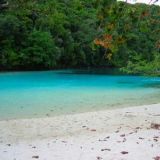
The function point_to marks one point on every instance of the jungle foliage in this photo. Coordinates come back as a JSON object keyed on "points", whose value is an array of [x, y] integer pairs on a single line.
{"points": [[131, 37], [50, 34]]}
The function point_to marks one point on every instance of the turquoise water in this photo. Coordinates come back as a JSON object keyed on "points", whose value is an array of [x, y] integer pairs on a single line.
{"points": [[49, 93]]}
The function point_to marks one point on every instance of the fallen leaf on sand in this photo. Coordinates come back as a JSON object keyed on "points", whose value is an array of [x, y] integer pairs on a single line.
{"points": [[99, 158], [156, 140], [35, 157], [155, 126], [157, 158], [106, 149], [100, 140], [124, 152], [156, 137], [107, 137], [122, 135], [124, 139]]}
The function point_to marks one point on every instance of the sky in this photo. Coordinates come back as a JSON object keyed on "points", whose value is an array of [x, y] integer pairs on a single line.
{"points": [[143, 1]]}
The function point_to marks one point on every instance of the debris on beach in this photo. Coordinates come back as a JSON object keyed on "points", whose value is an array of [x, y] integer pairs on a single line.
{"points": [[36, 157], [155, 126], [157, 158], [124, 152], [117, 131], [155, 139], [124, 140], [99, 158], [101, 140], [122, 135], [107, 137], [106, 149]]}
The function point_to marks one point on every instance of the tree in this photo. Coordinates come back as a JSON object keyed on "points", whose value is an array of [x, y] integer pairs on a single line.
{"points": [[40, 51], [130, 34]]}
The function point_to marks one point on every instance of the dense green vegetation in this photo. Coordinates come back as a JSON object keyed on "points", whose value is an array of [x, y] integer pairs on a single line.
{"points": [[132, 37], [49, 34]]}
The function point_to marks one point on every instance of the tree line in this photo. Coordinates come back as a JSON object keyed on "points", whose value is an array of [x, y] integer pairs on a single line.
{"points": [[50, 34]]}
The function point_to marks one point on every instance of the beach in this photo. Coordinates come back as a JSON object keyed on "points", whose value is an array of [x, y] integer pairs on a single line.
{"points": [[131, 133]]}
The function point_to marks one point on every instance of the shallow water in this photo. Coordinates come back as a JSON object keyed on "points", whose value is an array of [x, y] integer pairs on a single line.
{"points": [[49, 93]]}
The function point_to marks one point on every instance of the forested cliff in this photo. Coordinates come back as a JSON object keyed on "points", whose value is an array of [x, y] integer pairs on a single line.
{"points": [[50, 34]]}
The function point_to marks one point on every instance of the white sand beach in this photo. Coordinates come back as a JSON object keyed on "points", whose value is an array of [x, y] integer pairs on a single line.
{"points": [[119, 134]]}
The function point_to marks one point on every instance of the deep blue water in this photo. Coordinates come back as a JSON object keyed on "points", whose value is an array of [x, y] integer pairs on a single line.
{"points": [[49, 93]]}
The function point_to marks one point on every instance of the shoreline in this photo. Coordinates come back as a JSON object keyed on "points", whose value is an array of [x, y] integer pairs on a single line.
{"points": [[83, 136], [50, 115]]}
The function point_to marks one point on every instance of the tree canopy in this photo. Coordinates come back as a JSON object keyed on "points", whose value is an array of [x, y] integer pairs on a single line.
{"points": [[131, 37], [50, 34]]}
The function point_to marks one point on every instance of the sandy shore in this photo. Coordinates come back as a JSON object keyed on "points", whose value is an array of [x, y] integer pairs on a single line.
{"points": [[120, 134]]}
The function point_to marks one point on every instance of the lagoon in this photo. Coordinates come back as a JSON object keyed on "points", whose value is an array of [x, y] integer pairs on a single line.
{"points": [[52, 93]]}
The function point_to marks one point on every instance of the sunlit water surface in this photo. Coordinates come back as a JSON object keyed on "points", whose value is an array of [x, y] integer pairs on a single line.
{"points": [[50, 93]]}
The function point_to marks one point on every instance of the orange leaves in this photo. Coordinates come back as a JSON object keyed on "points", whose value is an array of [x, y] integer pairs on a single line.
{"points": [[108, 37], [145, 14], [105, 41]]}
